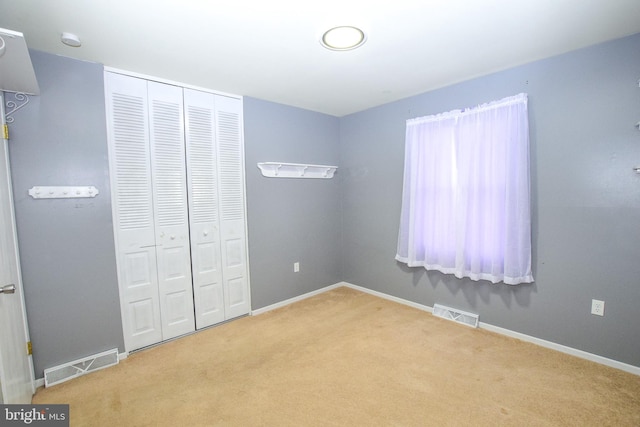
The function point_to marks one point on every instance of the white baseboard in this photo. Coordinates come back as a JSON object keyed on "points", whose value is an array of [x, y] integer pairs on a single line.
{"points": [[388, 297], [528, 338], [563, 349], [294, 299]]}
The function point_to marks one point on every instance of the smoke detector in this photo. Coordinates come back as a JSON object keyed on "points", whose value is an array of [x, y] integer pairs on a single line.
{"points": [[70, 40]]}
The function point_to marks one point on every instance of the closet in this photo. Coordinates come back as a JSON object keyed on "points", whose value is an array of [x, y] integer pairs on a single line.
{"points": [[177, 186]]}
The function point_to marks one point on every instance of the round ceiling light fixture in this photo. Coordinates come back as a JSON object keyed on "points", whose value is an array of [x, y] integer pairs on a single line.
{"points": [[343, 38]]}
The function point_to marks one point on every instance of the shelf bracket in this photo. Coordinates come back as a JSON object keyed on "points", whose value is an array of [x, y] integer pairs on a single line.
{"points": [[19, 101]]}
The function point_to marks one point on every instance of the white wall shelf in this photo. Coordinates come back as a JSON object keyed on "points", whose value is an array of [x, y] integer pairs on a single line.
{"points": [[296, 170]]}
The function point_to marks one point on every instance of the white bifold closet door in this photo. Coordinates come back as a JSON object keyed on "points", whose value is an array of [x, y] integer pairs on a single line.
{"points": [[177, 172], [233, 236], [132, 199], [215, 172], [168, 175], [202, 178], [147, 166]]}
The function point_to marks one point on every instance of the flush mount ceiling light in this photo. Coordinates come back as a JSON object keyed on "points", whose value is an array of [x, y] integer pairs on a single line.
{"points": [[70, 40], [343, 38]]}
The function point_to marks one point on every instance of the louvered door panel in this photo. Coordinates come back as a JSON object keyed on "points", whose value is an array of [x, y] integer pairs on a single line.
{"points": [[228, 114], [202, 183], [170, 209], [130, 170]]}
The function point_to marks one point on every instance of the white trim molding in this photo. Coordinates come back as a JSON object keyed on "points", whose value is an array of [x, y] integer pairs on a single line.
{"points": [[492, 328], [169, 82], [528, 338], [294, 299]]}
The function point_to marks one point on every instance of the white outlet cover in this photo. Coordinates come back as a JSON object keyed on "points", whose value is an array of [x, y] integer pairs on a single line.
{"points": [[597, 307]]}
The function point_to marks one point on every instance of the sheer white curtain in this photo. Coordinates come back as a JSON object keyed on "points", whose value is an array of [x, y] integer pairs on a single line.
{"points": [[466, 196]]}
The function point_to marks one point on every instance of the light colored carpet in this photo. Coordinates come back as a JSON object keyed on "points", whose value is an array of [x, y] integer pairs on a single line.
{"points": [[346, 358]]}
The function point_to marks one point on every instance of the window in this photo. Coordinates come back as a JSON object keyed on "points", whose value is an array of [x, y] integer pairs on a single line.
{"points": [[466, 196]]}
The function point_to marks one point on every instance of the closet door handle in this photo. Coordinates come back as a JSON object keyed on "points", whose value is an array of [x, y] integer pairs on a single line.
{"points": [[8, 289]]}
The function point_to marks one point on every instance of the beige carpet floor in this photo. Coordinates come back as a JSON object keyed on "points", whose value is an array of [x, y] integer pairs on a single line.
{"points": [[346, 358]]}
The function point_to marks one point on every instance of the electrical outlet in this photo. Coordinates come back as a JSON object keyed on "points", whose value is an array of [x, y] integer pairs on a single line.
{"points": [[296, 267], [597, 307]]}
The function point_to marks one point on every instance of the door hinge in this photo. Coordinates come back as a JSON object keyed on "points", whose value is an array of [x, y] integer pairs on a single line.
{"points": [[5, 131], [29, 348]]}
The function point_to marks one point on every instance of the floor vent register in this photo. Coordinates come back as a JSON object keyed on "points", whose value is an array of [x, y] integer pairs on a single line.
{"points": [[68, 371], [456, 315]]}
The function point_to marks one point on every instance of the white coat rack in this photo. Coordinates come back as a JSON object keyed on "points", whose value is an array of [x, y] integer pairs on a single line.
{"points": [[63, 192]]}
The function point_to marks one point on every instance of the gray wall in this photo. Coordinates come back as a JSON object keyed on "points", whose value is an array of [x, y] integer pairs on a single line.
{"points": [[66, 245], [291, 219], [586, 200]]}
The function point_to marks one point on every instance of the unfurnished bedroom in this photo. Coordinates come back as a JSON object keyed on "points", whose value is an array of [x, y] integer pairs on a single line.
{"points": [[326, 214]]}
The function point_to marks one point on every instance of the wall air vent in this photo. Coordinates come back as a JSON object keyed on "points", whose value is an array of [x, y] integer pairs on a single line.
{"points": [[456, 315]]}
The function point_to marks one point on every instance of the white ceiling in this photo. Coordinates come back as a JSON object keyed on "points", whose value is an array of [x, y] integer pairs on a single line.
{"points": [[270, 49]]}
